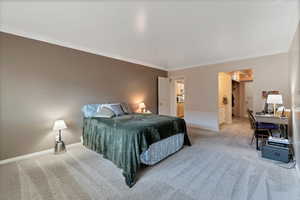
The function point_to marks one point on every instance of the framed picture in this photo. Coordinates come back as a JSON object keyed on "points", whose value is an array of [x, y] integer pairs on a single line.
{"points": [[266, 93]]}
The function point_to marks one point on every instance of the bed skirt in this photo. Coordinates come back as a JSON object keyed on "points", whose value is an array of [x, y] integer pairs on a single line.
{"points": [[162, 149]]}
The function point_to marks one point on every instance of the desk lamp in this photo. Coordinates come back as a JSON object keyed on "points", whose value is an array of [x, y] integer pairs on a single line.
{"points": [[274, 99], [60, 147], [142, 107]]}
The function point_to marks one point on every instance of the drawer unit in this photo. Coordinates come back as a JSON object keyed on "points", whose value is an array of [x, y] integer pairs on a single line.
{"points": [[276, 153]]}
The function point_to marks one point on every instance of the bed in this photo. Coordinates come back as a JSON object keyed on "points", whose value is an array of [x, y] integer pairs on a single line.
{"points": [[134, 139]]}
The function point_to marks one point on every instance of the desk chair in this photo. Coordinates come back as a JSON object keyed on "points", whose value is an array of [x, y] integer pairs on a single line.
{"points": [[261, 130]]}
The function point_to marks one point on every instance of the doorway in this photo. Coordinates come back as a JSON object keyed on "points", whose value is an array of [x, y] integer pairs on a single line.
{"points": [[235, 95], [179, 85], [242, 98], [177, 96]]}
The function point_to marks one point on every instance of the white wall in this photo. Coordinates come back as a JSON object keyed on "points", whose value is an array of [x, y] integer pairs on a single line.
{"points": [[201, 83], [294, 62], [249, 95]]}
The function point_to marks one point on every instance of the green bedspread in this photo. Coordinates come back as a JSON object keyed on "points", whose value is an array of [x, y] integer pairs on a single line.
{"points": [[123, 139]]}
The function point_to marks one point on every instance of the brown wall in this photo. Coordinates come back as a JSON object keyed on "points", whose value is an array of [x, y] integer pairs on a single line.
{"points": [[41, 82]]}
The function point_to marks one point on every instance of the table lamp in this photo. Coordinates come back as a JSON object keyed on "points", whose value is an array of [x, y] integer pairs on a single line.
{"points": [[60, 147], [274, 99], [142, 107]]}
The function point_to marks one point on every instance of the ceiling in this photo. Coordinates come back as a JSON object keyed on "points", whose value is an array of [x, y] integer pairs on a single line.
{"points": [[163, 34]]}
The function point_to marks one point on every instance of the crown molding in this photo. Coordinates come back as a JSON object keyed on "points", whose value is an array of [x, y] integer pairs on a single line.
{"points": [[75, 47]]}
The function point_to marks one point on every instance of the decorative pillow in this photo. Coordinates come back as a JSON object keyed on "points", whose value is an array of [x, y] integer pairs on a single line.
{"points": [[105, 113], [126, 108], [115, 108], [90, 110]]}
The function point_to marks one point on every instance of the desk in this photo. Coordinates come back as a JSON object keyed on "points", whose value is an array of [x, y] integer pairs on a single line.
{"points": [[274, 120]]}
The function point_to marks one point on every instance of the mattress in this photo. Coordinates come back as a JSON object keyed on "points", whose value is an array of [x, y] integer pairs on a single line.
{"points": [[162, 149]]}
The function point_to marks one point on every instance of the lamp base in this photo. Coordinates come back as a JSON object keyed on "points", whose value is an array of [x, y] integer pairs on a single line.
{"points": [[59, 147]]}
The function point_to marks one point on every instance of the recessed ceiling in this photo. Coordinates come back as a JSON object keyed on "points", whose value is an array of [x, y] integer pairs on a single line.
{"points": [[164, 34]]}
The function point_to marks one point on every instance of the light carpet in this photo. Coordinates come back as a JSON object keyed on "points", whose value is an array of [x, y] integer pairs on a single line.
{"points": [[219, 165]]}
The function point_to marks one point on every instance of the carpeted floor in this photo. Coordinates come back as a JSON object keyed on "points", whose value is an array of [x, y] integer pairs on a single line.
{"points": [[218, 166]]}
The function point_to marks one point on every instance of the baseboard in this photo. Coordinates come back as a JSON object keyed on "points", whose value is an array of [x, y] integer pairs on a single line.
{"points": [[201, 128], [26, 156]]}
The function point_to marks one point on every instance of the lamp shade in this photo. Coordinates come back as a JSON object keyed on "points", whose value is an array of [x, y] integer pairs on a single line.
{"points": [[59, 125], [274, 99], [142, 105]]}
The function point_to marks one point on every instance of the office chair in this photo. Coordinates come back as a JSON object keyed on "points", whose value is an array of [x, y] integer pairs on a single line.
{"points": [[261, 130]]}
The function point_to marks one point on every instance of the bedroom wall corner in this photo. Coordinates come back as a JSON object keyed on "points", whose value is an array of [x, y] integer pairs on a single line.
{"points": [[41, 83], [294, 63], [1, 106]]}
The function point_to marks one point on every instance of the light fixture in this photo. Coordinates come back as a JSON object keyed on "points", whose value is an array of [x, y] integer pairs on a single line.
{"points": [[142, 107], [140, 21], [274, 99], [59, 144]]}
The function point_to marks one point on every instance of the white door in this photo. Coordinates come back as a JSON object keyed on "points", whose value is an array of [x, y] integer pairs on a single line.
{"points": [[225, 97], [163, 96]]}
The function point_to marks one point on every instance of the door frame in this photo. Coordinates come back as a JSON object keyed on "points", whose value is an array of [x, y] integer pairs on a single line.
{"points": [[234, 70], [228, 106], [173, 105]]}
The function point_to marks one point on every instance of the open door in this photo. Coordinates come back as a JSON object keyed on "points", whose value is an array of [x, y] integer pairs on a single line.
{"points": [[225, 98], [163, 96]]}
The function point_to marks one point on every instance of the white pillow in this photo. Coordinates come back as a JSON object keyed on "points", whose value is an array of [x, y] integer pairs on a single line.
{"points": [[115, 108], [105, 113]]}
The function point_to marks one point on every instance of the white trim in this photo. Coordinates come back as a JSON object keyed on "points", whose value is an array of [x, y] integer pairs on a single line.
{"points": [[198, 127], [80, 48], [26, 156], [176, 77]]}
